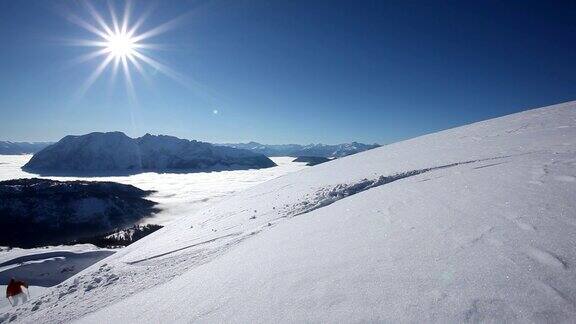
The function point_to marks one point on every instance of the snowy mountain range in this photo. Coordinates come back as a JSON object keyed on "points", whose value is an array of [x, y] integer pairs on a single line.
{"points": [[472, 224], [114, 152], [311, 150], [39, 212], [13, 148]]}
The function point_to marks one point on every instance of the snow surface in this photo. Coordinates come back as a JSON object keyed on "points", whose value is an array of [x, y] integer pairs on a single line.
{"points": [[476, 223]]}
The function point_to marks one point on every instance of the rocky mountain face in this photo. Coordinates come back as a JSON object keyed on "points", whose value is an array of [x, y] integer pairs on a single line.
{"points": [[114, 152], [15, 148], [37, 212], [311, 160], [296, 150]]}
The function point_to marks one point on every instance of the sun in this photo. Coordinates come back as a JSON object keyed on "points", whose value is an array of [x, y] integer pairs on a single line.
{"points": [[121, 46]]}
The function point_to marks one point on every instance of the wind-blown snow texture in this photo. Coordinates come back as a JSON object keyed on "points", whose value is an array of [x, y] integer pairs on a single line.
{"points": [[116, 153], [476, 223]]}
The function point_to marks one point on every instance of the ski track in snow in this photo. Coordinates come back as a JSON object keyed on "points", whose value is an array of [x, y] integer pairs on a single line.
{"points": [[183, 248]]}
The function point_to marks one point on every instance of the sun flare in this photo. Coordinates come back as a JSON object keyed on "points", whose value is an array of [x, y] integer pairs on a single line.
{"points": [[122, 45]]}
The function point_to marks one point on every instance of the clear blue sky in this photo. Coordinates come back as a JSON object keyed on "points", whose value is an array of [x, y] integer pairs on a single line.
{"points": [[291, 71]]}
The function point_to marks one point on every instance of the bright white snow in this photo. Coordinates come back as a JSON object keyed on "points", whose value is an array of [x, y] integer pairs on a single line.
{"points": [[476, 223]]}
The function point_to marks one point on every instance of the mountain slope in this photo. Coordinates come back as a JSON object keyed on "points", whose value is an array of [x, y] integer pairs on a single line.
{"points": [[476, 223], [114, 152]]}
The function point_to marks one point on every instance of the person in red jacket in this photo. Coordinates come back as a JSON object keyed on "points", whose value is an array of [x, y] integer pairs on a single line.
{"points": [[15, 291]]}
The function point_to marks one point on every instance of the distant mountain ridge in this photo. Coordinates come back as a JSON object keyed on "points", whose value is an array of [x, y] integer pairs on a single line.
{"points": [[114, 152], [310, 150], [15, 148]]}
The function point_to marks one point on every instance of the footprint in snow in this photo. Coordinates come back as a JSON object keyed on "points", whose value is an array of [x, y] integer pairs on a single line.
{"points": [[36, 305], [89, 287]]}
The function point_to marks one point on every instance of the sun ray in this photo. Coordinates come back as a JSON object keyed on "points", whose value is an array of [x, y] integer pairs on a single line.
{"points": [[98, 18], [128, 80], [114, 18], [89, 27], [139, 22], [167, 71], [115, 67], [95, 75], [137, 65], [161, 28], [126, 18], [89, 56], [161, 68], [86, 43], [151, 46]]}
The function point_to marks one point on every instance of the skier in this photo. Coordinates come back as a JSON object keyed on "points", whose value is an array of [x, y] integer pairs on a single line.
{"points": [[15, 291]]}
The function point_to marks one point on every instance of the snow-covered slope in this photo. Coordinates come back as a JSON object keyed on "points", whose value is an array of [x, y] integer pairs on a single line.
{"points": [[476, 223], [116, 153]]}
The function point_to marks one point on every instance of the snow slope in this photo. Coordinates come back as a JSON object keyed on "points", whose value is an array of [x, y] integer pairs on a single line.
{"points": [[476, 223]]}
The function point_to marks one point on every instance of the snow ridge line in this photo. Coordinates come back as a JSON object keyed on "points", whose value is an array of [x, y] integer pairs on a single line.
{"points": [[328, 196]]}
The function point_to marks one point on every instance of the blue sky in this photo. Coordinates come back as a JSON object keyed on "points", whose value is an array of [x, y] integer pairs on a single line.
{"points": [[290, 71]]}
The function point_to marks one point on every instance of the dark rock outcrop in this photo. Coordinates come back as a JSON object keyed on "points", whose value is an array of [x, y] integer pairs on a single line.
{"points": [[311, 160], [37, 212]]}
